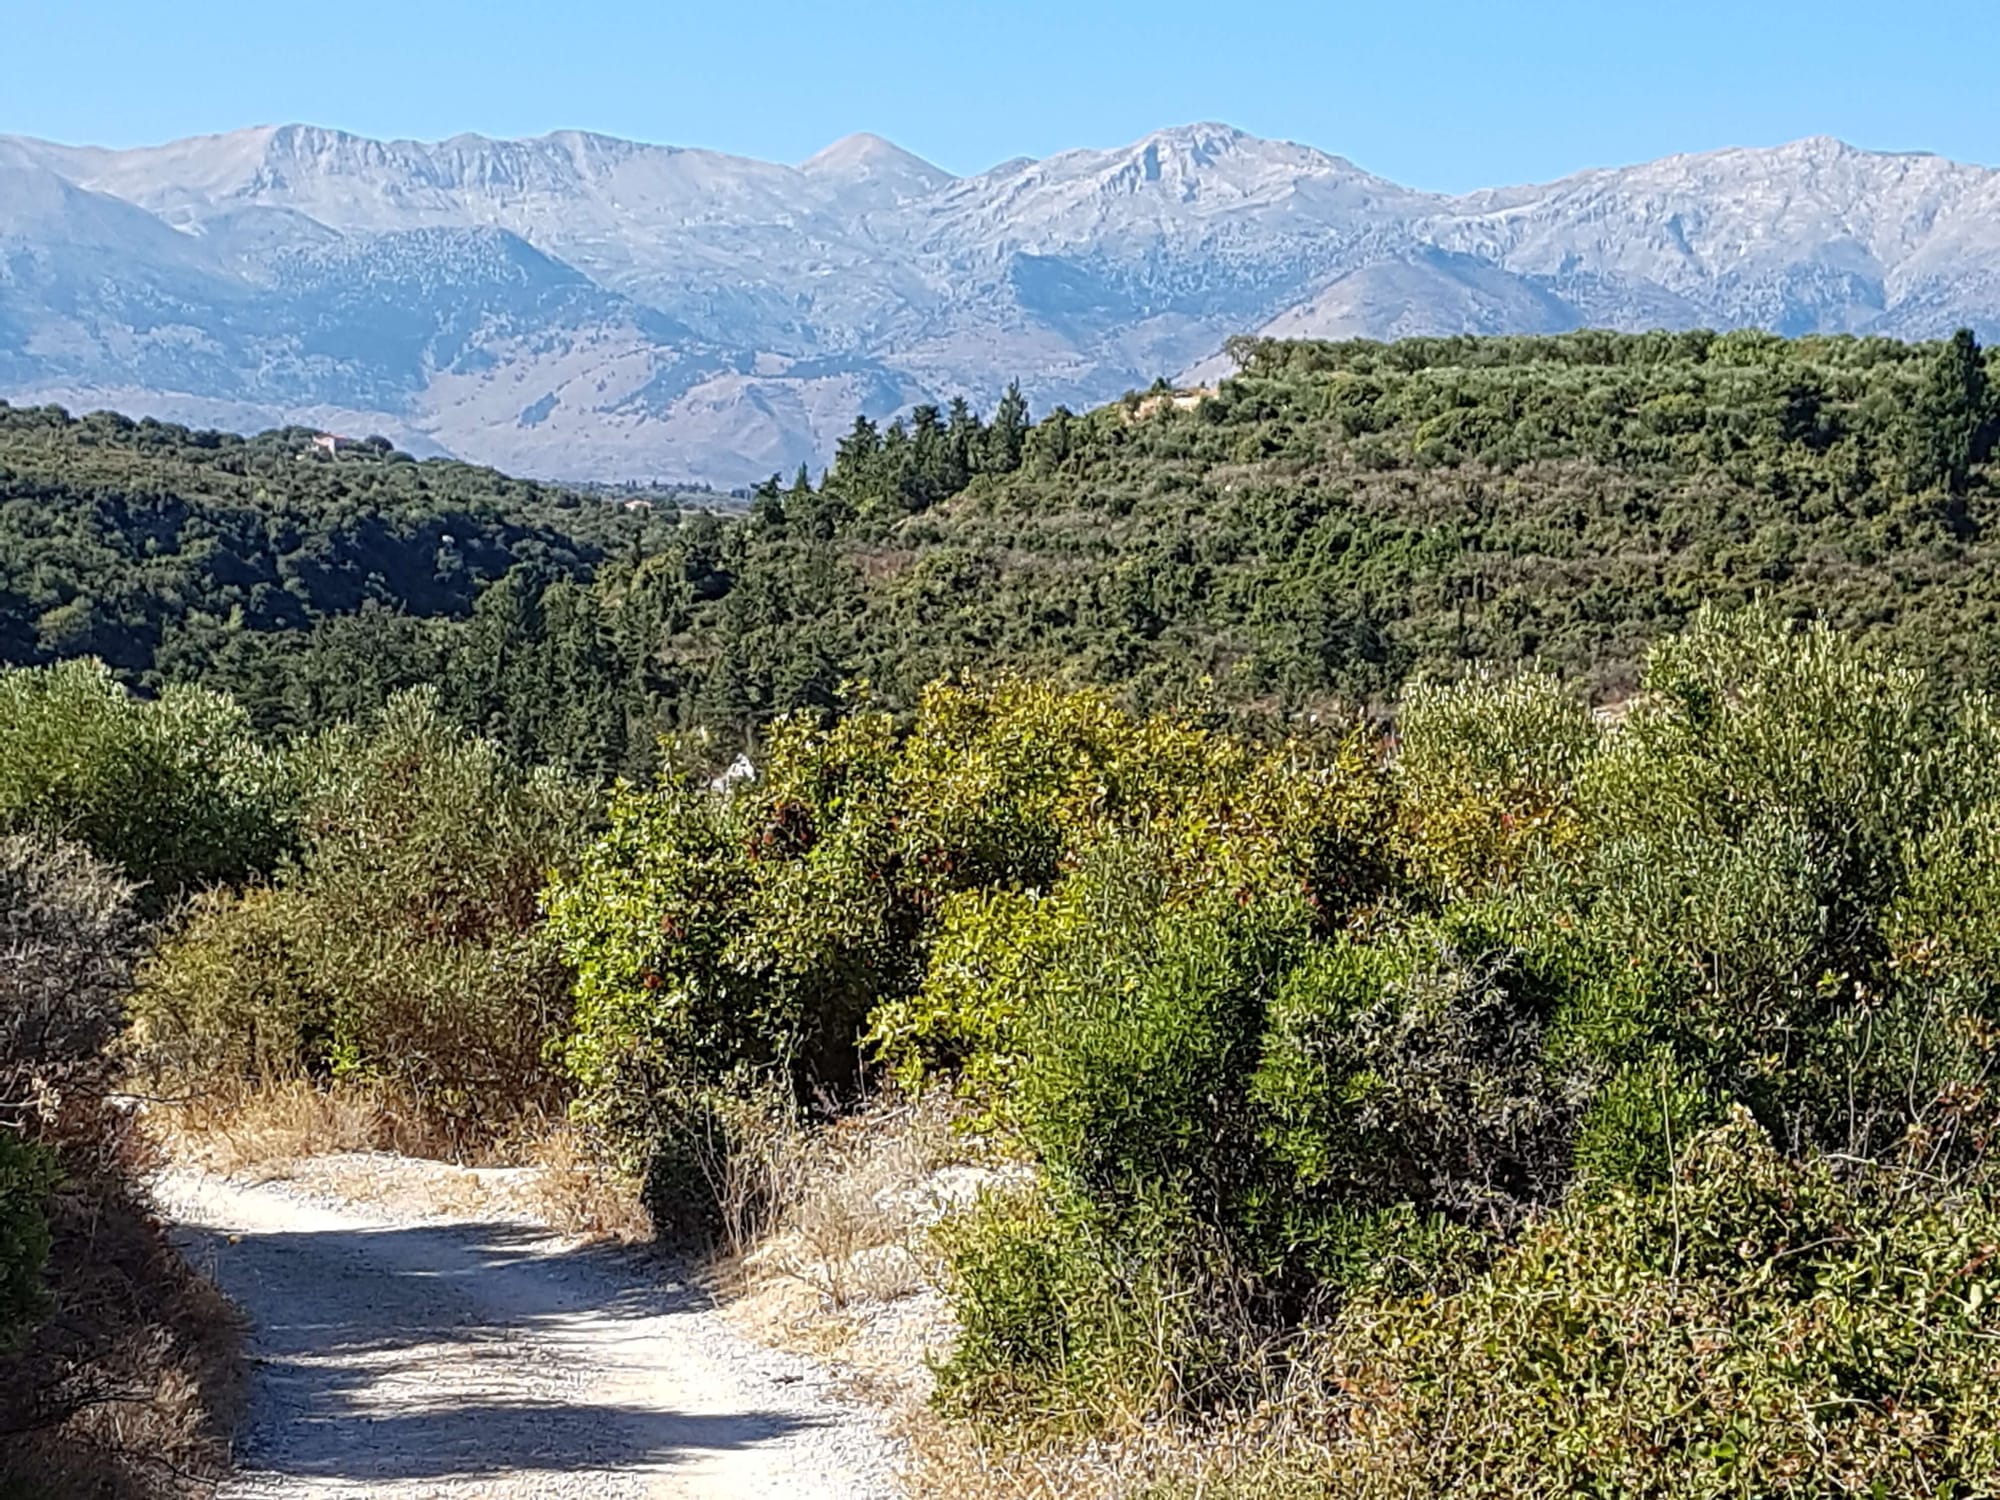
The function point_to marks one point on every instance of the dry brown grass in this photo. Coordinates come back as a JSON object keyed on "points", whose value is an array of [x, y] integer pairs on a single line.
{"points": [[862, 1194], [1283, 1440], [331, 1134], [846, 1272], [575, 1189], [955, 1458], [262, 1129], [961, 1459], [852, 1232], [131, 1389]]}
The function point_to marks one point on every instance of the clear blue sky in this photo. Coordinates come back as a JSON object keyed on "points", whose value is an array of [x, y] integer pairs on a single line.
{"points": [[1442, 96]]}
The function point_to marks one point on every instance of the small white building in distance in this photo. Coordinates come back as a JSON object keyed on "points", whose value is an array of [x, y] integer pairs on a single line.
{"points": [[740, 772]]}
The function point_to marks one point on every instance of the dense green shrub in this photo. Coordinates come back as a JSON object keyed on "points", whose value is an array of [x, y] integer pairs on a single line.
{"points": [[1765, 1328], [1015, 789], [714, 932], [230, 993], [1140, 1036], [422, 856], [1232, 1120], [1769, 887], [177, 791], [1128, 1276], [1486, 776], [403, 941], [1410, 1075], [1062, 1315], [1644, 1110], [1756, 845]]}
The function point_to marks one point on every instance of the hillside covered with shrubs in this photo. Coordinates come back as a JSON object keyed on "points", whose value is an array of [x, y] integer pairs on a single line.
{"points": [[1333, 522], [1455, 1088], [253, 564]]}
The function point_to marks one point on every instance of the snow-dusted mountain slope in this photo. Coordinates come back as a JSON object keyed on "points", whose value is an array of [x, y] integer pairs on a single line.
{"points": [[582, 306]]}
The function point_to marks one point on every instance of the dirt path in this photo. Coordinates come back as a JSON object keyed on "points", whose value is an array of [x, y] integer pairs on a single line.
{"points": [[481, 1355]]}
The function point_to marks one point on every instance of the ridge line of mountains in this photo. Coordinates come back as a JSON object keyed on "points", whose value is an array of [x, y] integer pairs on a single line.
{"points": [[582, 307]]}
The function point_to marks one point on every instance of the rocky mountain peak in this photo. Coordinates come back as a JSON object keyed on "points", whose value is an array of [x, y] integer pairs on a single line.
{"points": [[864, 155], [674, 312], [870, 171]]}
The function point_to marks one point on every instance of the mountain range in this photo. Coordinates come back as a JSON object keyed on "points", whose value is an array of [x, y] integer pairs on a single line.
{"points": [[583, 307]]}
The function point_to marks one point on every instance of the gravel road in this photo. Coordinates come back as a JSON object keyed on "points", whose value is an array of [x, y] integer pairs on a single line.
{"points": [[407, 1356]]}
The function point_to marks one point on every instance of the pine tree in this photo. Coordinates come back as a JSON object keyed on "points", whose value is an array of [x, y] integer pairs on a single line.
{"points": [[933, 472], [1008, 434], [585, 686], [767, 506], [854, 455], [1952, 418], [965, 439], [1055, 437]]}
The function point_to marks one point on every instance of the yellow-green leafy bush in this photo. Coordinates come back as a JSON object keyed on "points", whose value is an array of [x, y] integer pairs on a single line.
{"points": [[1486, 775], [777, 924]]}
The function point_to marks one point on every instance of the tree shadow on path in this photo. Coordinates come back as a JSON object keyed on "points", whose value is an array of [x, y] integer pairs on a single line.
{"points": [[429, 1351]]}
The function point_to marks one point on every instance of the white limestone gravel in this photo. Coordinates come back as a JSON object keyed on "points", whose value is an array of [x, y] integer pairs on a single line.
{"points": [[405, 1353]]}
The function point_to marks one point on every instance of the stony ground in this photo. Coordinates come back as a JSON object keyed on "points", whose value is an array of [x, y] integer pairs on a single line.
{"points": [[405, 1349]]}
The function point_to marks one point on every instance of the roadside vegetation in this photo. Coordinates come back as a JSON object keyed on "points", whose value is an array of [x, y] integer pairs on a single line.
{"points": [[1384, 1076], [117, 1362]]}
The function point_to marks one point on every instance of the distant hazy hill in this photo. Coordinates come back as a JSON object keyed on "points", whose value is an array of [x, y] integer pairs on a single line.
{"points": [[593, 308]]}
